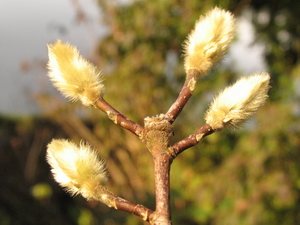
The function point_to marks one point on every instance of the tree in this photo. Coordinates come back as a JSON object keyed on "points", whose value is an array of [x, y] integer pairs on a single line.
{"points": [[79, 169]]}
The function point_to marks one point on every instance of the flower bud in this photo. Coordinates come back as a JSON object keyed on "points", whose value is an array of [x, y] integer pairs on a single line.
{"points": [[72, 75], [209, 40], [236, 103], [78, 168]]}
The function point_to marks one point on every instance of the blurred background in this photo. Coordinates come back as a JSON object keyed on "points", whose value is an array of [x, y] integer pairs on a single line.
{"points": [[248, 176]]}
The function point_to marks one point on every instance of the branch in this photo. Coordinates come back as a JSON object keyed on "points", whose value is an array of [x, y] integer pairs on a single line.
{"points": [[191, 140], [110, 199], [118, 118], [184, 95], [157, 135], [162, 214]]}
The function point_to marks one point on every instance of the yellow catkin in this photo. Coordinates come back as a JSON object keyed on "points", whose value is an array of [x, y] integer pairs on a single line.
{"points": [[236, 103], [209, 40], [77, 168], [72, 75]]}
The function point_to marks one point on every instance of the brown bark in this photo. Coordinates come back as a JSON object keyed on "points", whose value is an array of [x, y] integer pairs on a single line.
{"points": [[118, 118], [157, 134], [110, 199], [184, 95], [162, 214], [191, 140]]}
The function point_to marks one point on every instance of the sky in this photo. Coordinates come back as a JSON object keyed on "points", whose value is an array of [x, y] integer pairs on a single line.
{"points": [[244, 54], [27, 26]]}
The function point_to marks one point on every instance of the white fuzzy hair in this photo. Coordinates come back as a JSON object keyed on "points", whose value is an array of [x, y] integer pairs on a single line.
{"points": [[72, 75], [209, 40], [236, 103], [77, 168]]}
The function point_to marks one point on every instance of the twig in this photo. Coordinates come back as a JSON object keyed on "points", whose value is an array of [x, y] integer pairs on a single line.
{"points": [[118, 118], [157, 135], [112, 200], [191, 140], [162, 214], [184, 95]]}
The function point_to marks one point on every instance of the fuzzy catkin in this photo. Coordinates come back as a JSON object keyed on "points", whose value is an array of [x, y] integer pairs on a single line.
{"points": [[77, 168], [236, 103], [72, 75], [209, 40]]}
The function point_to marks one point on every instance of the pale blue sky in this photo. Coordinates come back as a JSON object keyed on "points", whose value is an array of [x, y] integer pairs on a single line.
{"points": [[25, 29]]}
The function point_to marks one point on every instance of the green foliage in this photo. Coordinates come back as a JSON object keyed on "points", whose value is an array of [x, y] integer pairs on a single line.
{"points": [[41, 191], [249, 176]]}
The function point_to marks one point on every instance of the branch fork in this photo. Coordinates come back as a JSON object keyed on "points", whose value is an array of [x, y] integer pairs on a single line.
{"points": [[79, 169]]}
